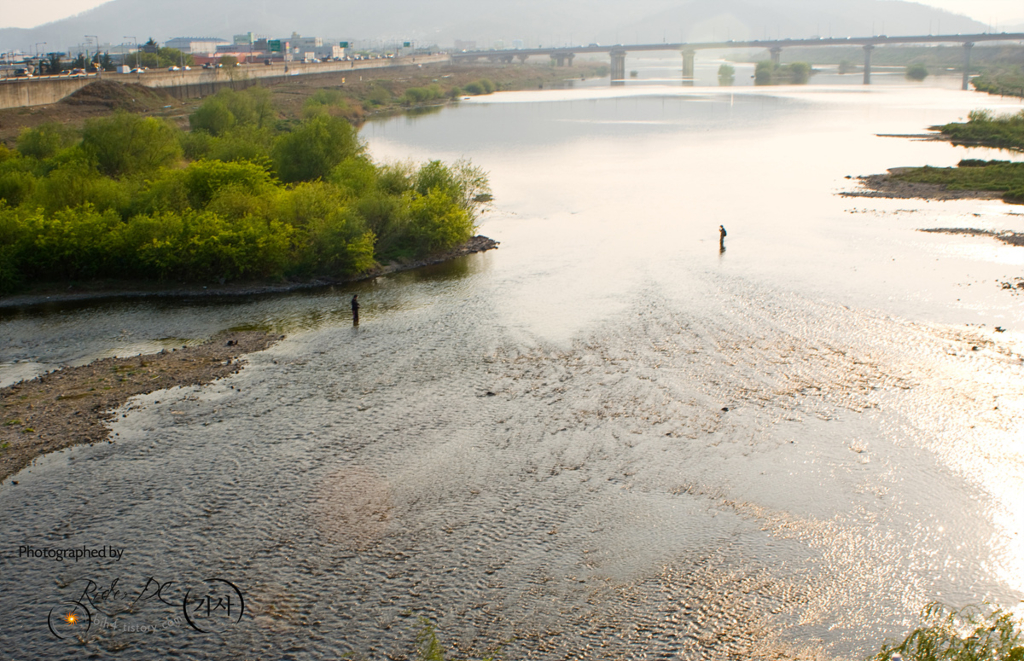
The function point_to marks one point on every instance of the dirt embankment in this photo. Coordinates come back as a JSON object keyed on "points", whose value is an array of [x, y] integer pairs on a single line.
{"points": [[72, 406], [103, 97], [98, 99]]}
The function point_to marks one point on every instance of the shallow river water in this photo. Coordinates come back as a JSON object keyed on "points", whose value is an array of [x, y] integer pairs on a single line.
{"points": [[607, 439]]}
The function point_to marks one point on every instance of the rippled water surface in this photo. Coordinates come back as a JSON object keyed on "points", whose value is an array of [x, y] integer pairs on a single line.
{"points": [[607, 439]]}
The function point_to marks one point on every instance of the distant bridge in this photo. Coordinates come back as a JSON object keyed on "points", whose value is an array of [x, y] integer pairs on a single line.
{"points": [[563, 56]]}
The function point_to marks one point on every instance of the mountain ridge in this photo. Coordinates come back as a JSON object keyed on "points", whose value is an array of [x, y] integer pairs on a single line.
{"points": [[535, 22]]}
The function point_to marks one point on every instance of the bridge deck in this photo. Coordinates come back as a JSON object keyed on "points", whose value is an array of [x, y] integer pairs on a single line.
{"points": [[758, 43]]}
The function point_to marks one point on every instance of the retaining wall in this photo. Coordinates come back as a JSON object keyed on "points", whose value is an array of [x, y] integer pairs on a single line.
{"points": [[21, 92]]}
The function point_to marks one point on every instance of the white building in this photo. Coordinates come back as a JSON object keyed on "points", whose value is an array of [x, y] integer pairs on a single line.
{"points": [[196, 45]]}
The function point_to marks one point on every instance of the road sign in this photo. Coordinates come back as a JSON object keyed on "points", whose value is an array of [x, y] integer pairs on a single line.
{"points": [[406, 44], [275, 45], [344, 44]]}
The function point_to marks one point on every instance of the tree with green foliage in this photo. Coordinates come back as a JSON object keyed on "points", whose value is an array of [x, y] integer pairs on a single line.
{"points": [[128, 144], [764, 73], [314, 148], [52, 65], [255, 199], [45, 140], [478, 87], [726, 75], [916, 72], [768, 73]]}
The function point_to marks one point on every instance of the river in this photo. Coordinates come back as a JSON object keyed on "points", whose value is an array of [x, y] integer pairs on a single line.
{"points": [[607, 439]]}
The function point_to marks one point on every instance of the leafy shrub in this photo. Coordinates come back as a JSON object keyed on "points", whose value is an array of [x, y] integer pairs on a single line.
{"points": [[129, 144], [45, 141], [764, 73], [355, 176], [916, 72], [16, 186], [195, 186], [228, 109], [438, 222], [379, 96], [726, 75], [213, 117], [117, 205], [77, 184], [422, 94], [315, 148]]}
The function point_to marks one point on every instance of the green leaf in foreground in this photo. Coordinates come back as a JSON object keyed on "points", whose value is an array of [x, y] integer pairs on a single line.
{"points": [[968, 634]]}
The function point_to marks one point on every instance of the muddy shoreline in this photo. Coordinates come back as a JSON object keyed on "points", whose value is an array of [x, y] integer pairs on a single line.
{"points": [[71, 406], [121, 290]]}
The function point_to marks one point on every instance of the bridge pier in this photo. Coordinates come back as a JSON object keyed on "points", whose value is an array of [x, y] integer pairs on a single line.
{"points": [[522, 58], [967, 65], [867, 63], [688, 58], [563, 59], [618, 65], [776, 55]]}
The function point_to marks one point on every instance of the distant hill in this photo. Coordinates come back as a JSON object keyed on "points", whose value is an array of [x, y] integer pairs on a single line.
{"points": [[536, 22]]}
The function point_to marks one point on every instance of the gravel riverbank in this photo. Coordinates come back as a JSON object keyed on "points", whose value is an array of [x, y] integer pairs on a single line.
{"points": [[71, 406]]}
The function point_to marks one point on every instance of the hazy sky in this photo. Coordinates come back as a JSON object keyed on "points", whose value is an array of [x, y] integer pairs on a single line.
{"points": [[30, 14]]}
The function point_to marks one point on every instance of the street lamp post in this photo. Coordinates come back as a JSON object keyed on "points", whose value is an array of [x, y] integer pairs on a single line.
{"points": [[138, 63], [39, 63], [92, 36]]}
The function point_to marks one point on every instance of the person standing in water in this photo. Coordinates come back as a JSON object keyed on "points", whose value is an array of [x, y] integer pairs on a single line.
{"points": [[721, 237], [355, 309]]}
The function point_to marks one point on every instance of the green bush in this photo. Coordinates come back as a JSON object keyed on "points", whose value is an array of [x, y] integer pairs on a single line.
{"points": [[119, 203], [438, 222], [227, 109], [16, 186], [128, 144], [916, 72], [764, 73], [726, 75], [422, 94], [379, 96], [77, 184], [213, 117], [355, 176], [982, 127], [313, 149], [387, 216], [45, 141]]}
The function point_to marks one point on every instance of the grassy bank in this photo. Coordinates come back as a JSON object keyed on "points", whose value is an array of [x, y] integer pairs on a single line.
{"points": [[984, 129], [366, 93], [1004, 82], [245, 194], [999, 176], [370, 93]]}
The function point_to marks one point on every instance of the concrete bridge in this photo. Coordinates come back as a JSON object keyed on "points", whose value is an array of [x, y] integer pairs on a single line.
{"points": [[563, 56]]}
